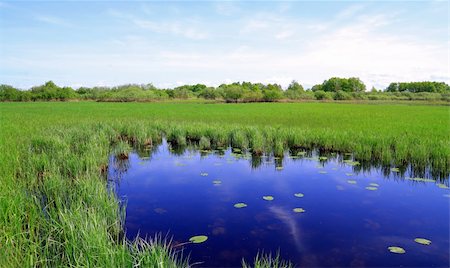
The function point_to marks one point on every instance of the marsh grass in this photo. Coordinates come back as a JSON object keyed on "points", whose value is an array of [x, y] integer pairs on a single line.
{"points": [[55, 208], [266, 260]]}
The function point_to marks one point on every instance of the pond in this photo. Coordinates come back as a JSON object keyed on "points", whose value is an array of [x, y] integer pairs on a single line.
{"points": [[313, 211]]}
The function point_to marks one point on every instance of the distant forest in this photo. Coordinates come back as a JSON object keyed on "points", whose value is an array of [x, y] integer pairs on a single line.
{"points": [[332, 89]]}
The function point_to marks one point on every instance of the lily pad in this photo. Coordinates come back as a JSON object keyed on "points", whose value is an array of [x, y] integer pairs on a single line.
{"points": [[217, 182], [394, 169], [374, 184], [299, 195], [423, 241], [351, 163], [203, 174], [268, 197], [442, 186], [240, 205], [351, 181], [421, 179], [371, 188], [397, 250], [198, 239], [298, 210]]}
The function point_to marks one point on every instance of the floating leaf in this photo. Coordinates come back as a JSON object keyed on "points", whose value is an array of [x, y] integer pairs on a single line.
{"points": [[351, 181], [299, 195], [268, 197], [442, 186], [141, 163], [279, 168], [198, 239], [397, 250], [301, 153], [423, 241], [374, 184], [323, 172], [217, 182], [421, 179], [371, 188], [395, 169], [180, 164], [204, 174], [298, 210], [240, 205], [323, 158], [349, 174], [351, 162]]}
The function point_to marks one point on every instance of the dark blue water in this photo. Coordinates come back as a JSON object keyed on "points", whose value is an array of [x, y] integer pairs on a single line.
{"points": [[343, 224]]}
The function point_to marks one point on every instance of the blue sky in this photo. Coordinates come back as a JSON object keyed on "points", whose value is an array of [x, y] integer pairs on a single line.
{"points": [[84, 43]]}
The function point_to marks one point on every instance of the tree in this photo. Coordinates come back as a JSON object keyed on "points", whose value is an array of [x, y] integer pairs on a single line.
{"points": [[426, 86], [316, 87], [232, 93], [272, 92], [335, 84], [208, 93], [294, 90], [9, 93]]}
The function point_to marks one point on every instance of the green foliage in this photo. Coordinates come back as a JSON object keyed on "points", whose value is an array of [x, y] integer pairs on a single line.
{"points": [[425, 86], [343, 89], [272, 92], [335, 84], [232, 93], [294, 91], [263, 260], [322, 95]]}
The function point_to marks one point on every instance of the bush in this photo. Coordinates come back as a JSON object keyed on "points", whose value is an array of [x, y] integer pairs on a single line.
{"points": [[322, 95]]}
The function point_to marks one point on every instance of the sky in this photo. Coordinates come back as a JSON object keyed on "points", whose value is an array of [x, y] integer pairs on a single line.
{"points": [[170, 43]]}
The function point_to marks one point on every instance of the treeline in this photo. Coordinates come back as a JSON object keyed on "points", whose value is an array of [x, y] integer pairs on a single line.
{"points": [[332, 89]]}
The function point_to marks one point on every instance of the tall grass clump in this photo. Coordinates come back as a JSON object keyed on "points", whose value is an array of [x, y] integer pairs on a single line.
{"points": [[264, 260], [64, 215]]}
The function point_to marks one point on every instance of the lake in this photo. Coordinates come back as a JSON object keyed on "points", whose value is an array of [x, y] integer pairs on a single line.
{"points": [[346, 215]]}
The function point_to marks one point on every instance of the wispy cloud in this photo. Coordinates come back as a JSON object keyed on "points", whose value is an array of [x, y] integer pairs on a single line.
{"points": [[52, 20], [226, 8], [188, 28]]}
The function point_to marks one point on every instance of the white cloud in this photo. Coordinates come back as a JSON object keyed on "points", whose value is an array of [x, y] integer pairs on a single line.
{"points": [[52, 20], [226, 8]]}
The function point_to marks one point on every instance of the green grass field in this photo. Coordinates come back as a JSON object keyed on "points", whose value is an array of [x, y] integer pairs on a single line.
{"points": [[54, 207]]}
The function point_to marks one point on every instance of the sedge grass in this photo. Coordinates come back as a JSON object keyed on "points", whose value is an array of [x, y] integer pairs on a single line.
{"points": [[55, 210]]}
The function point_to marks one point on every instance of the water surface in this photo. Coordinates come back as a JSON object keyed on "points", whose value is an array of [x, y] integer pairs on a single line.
{"points": [[344, 223]]}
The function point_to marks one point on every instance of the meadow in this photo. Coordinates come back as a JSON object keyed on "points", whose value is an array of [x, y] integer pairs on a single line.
{"points": [[55, 209]]}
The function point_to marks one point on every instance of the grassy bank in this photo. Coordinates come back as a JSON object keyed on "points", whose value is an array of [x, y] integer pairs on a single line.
{"points": [[55, 209]]}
